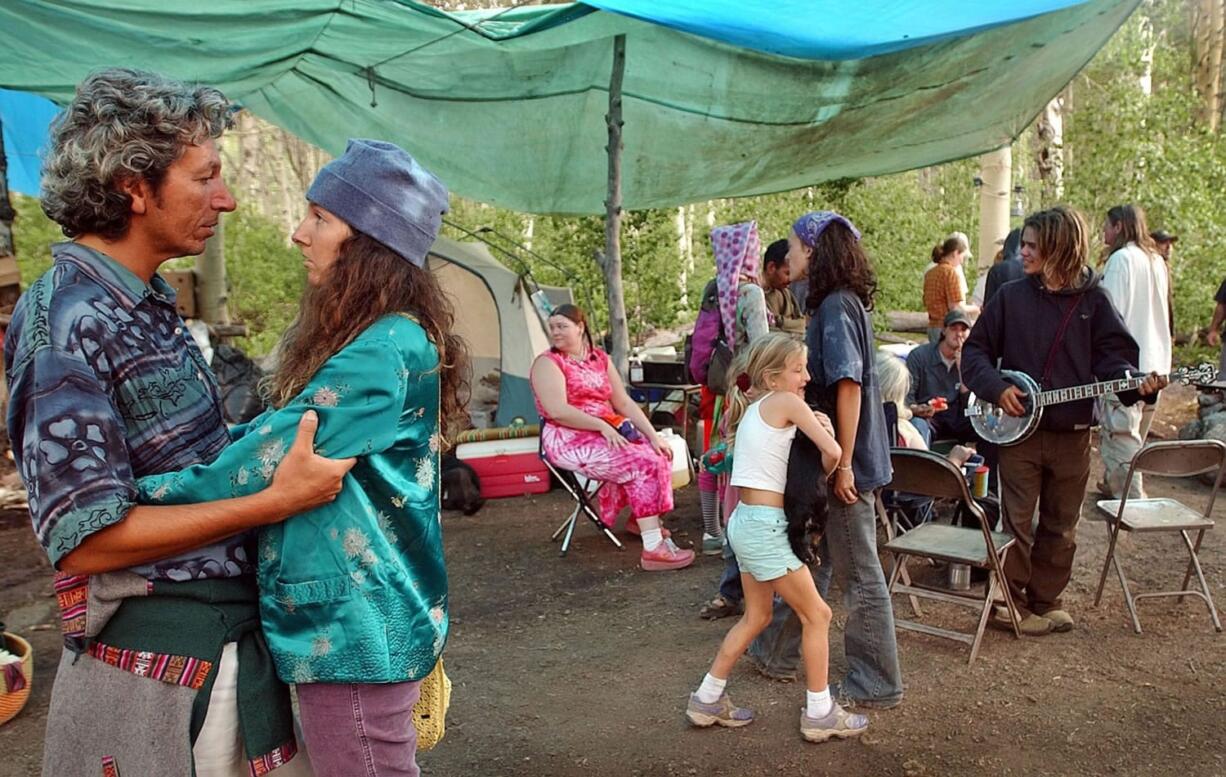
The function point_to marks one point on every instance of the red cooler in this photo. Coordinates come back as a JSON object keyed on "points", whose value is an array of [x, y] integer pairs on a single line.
{"points": [[506, 467]]}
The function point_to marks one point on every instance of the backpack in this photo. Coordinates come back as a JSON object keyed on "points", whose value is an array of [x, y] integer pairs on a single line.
{"points": [[460, 485], [707, 353]]}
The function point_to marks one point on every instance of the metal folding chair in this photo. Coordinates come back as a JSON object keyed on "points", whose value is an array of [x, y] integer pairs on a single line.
{"points": [[1170, 459], [929, 474], [583, 493]]}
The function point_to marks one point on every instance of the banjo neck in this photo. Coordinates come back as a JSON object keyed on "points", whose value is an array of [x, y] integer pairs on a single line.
{"points": [[1088, 391]]}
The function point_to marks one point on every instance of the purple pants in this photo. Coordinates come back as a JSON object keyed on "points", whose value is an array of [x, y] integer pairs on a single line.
{"points": [[360, 729]]}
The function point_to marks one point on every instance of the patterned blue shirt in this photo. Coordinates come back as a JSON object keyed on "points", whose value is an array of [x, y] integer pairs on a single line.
{"points": [[106, 385]]}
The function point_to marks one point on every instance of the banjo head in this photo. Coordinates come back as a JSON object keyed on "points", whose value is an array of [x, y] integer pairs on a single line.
{"points": [[996, 426]]}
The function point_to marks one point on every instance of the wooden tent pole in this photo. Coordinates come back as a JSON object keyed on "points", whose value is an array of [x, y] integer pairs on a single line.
{"points": [[611, 260]]}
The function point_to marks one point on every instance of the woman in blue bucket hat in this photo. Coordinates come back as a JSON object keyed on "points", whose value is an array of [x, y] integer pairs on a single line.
{"points": [[353, 595]]}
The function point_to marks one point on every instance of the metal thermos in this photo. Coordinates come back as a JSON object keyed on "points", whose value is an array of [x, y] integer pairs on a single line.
{"points": [[959, 577]]}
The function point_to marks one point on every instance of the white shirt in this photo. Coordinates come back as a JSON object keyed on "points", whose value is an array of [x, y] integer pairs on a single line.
{"points": [[760, 454], [1137, 284]]}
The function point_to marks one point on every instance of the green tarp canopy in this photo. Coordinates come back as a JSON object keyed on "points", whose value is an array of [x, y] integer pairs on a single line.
{"points": [[508, 107]]}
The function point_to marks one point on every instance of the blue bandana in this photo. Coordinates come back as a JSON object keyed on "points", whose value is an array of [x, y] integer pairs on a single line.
{"points": [[810, 226]]}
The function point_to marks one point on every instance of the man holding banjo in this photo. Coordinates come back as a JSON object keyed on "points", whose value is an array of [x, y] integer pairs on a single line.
{"points": [[1059, 327]]}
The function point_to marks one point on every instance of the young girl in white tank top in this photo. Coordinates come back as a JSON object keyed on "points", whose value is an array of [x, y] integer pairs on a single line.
{"points": [[757, 531]]}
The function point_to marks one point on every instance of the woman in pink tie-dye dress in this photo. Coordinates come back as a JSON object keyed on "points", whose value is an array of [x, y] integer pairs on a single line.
{"points": [[590, 425]]}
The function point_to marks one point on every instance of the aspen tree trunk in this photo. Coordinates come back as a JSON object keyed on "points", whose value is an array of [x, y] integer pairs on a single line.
{"points": [[683, 278], [1207, 20], [1049, 151], [211, 289], [250, 183], [1148, 41], [996, 170]]}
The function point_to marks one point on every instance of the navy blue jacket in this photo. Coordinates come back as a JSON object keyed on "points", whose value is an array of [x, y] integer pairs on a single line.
{"points": [[1018, 328]]}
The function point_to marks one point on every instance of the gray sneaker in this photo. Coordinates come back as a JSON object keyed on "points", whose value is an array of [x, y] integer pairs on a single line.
{"points": [[838, 724], [723, 713], [712, 545]]}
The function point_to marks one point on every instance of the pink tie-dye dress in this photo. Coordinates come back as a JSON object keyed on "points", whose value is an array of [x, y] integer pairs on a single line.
{"points": [[634, 474]]}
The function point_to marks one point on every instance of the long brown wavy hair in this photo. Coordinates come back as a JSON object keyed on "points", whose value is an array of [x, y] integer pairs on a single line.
{"points": [[839, 262], [367, 281], [1063, 241]]}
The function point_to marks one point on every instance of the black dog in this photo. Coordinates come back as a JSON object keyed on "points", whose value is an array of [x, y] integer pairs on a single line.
{"points": [[805, 497], [461, 486]]}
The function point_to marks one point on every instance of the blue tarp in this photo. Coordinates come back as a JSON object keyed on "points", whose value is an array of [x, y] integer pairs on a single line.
{"points": [[831, 29], [26, 118]]}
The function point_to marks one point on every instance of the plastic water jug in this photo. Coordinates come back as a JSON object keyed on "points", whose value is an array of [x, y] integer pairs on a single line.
{"points": [[682, 466]]}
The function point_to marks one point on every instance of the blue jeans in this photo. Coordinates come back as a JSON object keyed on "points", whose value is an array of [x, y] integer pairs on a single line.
{"points": [[730, 582], [848, 550]]}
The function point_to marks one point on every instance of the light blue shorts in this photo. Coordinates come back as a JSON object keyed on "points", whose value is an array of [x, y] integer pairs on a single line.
{"points": [[758, 535]]}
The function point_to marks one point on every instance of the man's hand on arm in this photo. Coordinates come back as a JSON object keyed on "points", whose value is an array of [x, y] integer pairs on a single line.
{"points": [[302, 481]]}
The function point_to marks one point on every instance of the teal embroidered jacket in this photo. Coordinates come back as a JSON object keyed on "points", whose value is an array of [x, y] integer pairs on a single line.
{"points": [[355, 591]]}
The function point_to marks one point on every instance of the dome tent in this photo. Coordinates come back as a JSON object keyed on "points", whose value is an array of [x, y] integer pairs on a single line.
{"points": [[495, 316]]}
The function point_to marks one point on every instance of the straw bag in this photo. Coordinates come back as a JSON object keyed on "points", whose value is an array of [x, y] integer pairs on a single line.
{"points": [[430, 712], [15, 681]]}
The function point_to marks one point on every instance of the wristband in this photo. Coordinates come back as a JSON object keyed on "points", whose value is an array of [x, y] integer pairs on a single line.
{"points": [[845, 469]]}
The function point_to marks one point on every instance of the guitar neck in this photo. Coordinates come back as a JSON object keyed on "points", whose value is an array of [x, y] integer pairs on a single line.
{"points": [[1088, 391]]}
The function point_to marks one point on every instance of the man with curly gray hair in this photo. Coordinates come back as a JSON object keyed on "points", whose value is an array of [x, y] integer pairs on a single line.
{"points": [[164, 670]]}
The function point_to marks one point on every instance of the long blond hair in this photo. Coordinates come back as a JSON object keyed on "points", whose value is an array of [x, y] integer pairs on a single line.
{"points": [[765, 357]]}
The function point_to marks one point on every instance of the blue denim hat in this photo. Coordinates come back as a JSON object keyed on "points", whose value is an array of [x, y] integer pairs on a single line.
{"points": [[378, 189]]}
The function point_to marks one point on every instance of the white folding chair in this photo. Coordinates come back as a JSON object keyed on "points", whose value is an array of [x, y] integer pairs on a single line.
{"points": [[1184, 458]]}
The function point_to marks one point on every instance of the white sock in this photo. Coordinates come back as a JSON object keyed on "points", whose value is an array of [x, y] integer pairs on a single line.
{"points": [[652, 538], [818, 703], [712, 688], [649, 529]]}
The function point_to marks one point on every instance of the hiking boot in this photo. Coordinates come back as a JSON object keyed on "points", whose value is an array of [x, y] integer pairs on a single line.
{"points": [[665, 556], [837, 724], [719, 607], [722, 713], [1030, 625], [1060, 620], [712, 545]]}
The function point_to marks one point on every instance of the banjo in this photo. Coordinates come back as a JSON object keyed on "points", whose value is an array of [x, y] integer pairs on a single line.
{"points": [[994, 425]]}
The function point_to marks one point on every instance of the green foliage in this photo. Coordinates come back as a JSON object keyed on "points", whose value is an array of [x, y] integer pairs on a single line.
{"points": [[266, 278], [33, 235], [1148, 150]]}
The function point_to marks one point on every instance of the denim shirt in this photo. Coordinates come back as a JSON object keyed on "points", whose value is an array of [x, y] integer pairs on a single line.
{"points": [[105, 386], [356, 590]]}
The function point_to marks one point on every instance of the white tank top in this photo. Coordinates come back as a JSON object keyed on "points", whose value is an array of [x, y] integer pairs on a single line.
{"points": [[760, 455]]}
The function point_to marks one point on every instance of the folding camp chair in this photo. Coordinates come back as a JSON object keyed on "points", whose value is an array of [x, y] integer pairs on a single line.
{"points": [[1171, 459], [583, 492], [926, 473], [900, 512]]}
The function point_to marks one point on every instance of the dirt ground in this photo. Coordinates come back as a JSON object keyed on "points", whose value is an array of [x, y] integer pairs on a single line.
{"points": [[581, 665]]}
